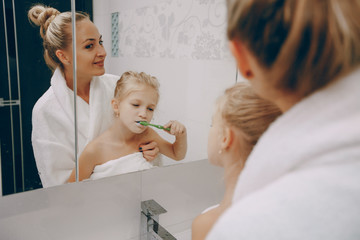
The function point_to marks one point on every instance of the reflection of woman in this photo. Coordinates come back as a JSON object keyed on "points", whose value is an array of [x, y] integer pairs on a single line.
{"points": [[301, 181], [116, 150], [53, 114], [239, 119]]}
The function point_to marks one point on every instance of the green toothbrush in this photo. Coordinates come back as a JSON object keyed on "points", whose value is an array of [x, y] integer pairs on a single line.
{"points": [[153, 125]]}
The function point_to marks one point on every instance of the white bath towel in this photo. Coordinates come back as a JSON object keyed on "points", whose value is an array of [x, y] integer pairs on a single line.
{"points": [[129, 163], [302, 180], [53, 131]]}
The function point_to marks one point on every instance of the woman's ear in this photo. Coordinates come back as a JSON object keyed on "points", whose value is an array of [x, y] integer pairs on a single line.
{"points": [[62, 56], [227, 138], [240, 53]]}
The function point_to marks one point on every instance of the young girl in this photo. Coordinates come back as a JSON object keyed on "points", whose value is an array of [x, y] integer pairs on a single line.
{"points": [[239, 120], [116, 151]]}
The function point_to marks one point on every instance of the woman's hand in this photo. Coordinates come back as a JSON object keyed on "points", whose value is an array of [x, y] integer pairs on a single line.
{"points": [[150, 150], [176, 128]]}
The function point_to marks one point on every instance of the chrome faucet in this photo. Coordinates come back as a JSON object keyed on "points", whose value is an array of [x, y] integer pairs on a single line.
{"points": [[150, 227]]}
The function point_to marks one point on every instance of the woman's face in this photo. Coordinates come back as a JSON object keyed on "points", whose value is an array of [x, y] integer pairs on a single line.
{"points": [[139, 105], [89, 50], [214, 139]]}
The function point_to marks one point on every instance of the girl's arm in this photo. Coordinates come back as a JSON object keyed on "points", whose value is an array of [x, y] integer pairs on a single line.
{"points": [[176, 150], [87, 163]]}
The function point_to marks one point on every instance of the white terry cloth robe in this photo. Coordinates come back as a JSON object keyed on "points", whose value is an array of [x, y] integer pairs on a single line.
{"points": [[53, 133], [126, 164], [302, 180]]}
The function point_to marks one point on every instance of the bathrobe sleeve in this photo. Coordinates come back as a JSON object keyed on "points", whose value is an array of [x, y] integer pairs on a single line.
{"points": [[52, 140]]}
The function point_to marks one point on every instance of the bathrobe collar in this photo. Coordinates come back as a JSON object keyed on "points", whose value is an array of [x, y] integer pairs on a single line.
{"points": [[312, 132], [65, 97]]}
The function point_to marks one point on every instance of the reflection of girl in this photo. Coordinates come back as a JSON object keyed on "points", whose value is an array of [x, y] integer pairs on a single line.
{"points": [[239, 120], [301, 181], [116, 150], [53, 114]]}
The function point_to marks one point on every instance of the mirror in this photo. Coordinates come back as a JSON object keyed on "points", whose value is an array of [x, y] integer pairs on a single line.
{"points": [[24, 79], [182, 43]]}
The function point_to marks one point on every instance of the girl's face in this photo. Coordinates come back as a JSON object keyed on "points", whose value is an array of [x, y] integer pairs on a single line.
{"points": [[90, 51], [214, 139], [139, 105]]}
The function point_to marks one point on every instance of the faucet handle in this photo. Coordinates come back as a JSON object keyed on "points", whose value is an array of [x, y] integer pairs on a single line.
{"points": [[151, 229], [152, 208]]}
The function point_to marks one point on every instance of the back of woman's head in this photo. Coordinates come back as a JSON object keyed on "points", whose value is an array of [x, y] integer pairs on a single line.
{"points": [[131, 81], [55, 30], [241, 108], [302, 44]]}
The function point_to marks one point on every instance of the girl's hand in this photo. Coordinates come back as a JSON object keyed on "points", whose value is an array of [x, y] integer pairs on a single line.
{"points": [[150, 150], [176, 128]]}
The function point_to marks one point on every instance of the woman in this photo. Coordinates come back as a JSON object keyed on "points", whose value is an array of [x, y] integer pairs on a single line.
{"points": [[53, 114], [301, 181]]}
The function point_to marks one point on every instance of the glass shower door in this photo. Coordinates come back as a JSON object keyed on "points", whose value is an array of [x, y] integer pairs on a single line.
{"points": [[10, 108]]}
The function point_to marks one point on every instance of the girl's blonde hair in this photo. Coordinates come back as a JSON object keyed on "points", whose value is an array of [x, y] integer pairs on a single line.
{"points": [[130, 81], [55, 30], [241, 108], [303, 44]]}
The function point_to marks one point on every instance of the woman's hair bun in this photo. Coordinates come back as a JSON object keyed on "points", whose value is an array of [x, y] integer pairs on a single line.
{"points": [[42, 16]]}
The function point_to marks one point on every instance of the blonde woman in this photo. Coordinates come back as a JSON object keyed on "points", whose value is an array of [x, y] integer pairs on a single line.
{"points": [[116, 150], [301, 181], [239, 119], [53, 114]]}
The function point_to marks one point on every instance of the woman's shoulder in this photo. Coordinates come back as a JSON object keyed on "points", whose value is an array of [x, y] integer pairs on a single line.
{"points": [[44, 100], [107, 82], [46, 106], [109, 78]]}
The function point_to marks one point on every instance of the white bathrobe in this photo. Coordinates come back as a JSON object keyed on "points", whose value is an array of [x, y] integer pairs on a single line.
{"points": [[302, 180], [53, 131]]}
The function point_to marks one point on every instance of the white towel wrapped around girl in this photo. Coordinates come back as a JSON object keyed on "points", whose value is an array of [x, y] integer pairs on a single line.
{"points": [[116, 150]]}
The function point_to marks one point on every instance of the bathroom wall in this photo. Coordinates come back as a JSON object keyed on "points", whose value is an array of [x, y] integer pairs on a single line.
{"points": [[109, 208], [182, 43]]}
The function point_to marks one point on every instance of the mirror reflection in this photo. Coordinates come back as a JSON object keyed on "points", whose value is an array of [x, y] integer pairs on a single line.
{"points": [[183, 44], [25, 78], [118, 150], [180, 43]]}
